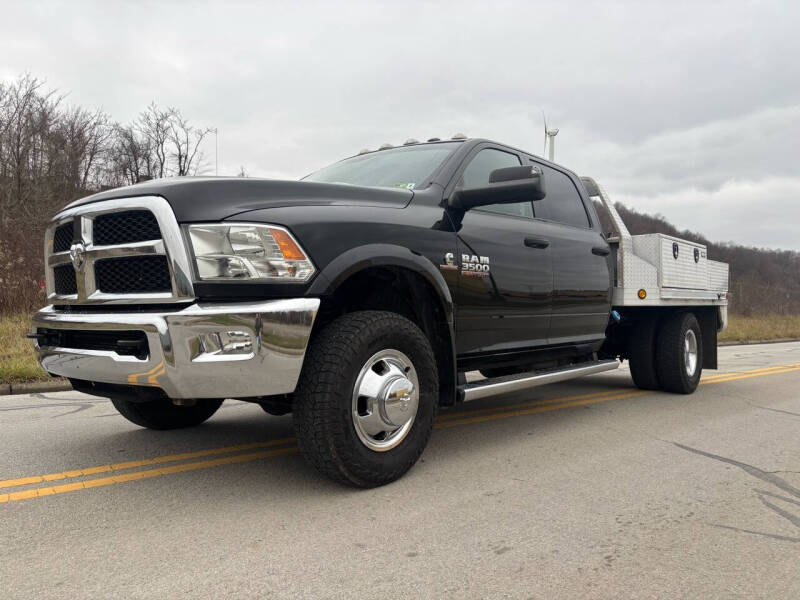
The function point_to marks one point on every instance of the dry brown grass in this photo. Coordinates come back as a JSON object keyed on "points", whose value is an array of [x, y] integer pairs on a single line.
{"points": [[17, 358], [767, 327]]}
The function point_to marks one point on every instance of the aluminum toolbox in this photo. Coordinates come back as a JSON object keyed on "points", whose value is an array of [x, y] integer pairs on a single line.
{"points": [[680, 263]]}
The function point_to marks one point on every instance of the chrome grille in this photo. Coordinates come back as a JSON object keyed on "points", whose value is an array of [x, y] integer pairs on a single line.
{"points": [[133, 275], [125, 228], [117, 251]]}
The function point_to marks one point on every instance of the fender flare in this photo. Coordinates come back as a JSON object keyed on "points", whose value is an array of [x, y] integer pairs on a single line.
{"points": [[381, 255], [389, 255]]}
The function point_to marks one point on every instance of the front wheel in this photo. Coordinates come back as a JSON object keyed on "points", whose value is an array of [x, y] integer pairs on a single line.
{"points": [[162, 414], [364, 405], [679, 354]]}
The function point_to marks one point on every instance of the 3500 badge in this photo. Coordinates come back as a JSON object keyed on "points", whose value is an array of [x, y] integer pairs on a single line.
{"points": [[471, 265]]}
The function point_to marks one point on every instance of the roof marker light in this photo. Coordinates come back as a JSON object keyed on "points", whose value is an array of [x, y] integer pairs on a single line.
{"points": [[410, 141], [459, 136]]}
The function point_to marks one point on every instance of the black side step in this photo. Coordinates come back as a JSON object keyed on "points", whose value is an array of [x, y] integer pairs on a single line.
{"points": [[523, 381]]}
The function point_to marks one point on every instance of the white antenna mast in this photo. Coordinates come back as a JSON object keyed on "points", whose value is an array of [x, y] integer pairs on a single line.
{"points": [[551, 135]]}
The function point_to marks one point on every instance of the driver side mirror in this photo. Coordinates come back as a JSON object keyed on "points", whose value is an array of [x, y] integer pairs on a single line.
{"points": [[506, 186]]}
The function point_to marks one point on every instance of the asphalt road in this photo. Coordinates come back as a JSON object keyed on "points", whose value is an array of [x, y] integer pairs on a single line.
{"points": [[584, 489]]}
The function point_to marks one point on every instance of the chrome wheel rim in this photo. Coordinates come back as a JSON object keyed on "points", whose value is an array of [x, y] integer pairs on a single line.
{"points": [[385, 400], [690, 352]]}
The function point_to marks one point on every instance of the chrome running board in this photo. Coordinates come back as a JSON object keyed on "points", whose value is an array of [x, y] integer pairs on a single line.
{"points": [[523, 381]]}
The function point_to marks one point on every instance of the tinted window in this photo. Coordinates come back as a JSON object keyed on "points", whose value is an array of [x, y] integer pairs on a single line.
{"points": [[477, 173], [562, 202], [406, 167]]}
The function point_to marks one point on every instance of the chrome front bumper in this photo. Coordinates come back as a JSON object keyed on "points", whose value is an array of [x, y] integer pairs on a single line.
{"points": [[270, 339]]}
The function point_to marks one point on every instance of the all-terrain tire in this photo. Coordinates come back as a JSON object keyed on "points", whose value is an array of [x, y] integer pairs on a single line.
{"points": [[671, 354], [642, 355], [163, 414], [323, 401]]}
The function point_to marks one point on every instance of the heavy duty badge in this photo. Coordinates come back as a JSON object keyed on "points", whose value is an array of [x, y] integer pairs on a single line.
{"points": [[449, 263]]}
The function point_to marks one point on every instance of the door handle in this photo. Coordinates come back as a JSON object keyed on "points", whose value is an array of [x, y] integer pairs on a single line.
{"points": [[601, 251], [532, 242]]}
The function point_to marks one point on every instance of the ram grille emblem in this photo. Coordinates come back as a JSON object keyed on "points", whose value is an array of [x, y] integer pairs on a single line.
{"points": [[76, 255]]}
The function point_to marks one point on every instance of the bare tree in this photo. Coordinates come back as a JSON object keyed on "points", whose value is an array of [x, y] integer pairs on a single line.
{"points": [[186, 140], [154, 125]]}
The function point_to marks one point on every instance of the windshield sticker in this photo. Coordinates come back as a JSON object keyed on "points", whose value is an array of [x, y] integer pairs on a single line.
{"points": [[405, 186]]}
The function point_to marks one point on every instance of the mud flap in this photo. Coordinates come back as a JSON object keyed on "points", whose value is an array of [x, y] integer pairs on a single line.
{"points": [[708, 327]]}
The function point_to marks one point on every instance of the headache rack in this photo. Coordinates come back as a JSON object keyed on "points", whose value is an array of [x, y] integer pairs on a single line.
{"points": [[657, 269]]}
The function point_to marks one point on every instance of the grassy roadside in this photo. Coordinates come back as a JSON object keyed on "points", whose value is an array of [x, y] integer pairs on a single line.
{"points": [[18, 361], [769, 327]]}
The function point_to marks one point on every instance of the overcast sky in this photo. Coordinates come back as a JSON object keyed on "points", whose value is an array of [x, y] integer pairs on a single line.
{"points": [[691, 110]]}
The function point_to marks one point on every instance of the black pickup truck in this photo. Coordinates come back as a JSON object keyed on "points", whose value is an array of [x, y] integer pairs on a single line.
{"points": [[359, 297]]}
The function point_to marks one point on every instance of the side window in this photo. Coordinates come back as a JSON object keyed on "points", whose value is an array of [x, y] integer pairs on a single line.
{"points": [[562, 202], [477, 173]]}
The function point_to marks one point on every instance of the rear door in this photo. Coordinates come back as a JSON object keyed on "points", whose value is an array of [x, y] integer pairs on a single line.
{"points": [[505, 274], [581, 261]]}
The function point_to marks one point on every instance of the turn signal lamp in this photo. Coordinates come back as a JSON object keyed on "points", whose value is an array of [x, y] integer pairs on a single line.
{"points": [[642, 294]]}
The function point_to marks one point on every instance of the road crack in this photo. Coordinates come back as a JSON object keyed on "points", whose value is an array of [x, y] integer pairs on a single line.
{"points": [[769, 477], [777, 410]]}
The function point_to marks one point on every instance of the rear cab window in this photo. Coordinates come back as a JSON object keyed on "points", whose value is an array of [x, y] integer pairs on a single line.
{"points": [[563, 203]]}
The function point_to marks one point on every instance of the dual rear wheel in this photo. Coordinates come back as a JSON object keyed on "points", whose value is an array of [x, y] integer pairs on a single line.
{"points": [[667, 355]]}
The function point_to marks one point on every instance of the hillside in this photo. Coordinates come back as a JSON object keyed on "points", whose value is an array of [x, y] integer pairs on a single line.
{"points": [[763, 281]]}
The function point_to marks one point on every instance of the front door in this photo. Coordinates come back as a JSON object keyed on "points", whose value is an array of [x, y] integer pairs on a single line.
{"points": [[505, 273]]}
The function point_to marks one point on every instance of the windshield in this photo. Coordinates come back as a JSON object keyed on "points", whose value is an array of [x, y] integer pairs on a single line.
{"points": [[406, 167]]}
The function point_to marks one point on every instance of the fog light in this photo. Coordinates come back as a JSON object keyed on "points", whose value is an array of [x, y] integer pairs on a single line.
{"points": [[225, 343]]}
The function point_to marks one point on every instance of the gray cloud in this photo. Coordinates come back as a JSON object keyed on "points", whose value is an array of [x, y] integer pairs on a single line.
{"points": [[691, 109]]}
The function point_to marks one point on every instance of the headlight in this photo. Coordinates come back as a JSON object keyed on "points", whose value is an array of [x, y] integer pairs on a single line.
{"points": [[249, 252]]}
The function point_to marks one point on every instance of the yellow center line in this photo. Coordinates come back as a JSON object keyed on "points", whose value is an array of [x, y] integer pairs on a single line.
{"points": [[451, 420], [141, 463], [765, 370], [114, 479], [747, 375]]}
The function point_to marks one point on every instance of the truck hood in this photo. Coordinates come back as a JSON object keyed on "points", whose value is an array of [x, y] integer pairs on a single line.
{"points": [[216, 198]]}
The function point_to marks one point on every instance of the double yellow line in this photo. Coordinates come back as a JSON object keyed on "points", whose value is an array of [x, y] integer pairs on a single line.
{"points": [[268, 449]]}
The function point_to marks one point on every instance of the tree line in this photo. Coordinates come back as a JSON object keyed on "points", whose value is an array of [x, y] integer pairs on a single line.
{"points": [[52, 153]]}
